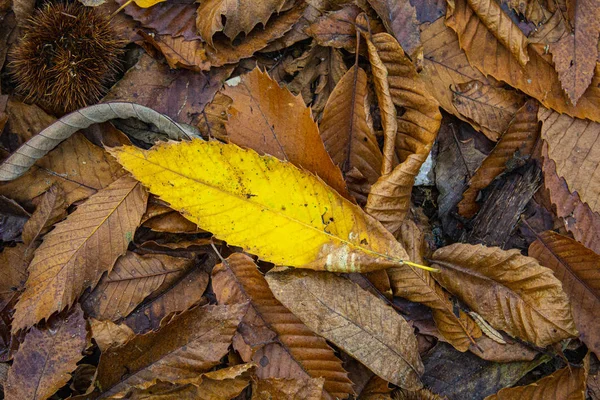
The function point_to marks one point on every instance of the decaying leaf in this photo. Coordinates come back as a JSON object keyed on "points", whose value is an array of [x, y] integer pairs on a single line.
{"points": [[79, 250], [337, 28], [578, 268], [357, 322], [47, 357], [510, 291], [512, 148], [51, 209], [108, 334], [243, 198], [293, 389], [400, 18], [190, 344], [270, 120], [238, 280], [180, 53], [13, 271]]}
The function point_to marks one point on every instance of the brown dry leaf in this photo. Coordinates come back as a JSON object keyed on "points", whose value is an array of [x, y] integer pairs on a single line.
{"points": [[376, 389], [12, 219], [174, 299], [490, 350], [419, 286], [346, 130], [575, 54], [511, 292], [172, 222], [571, 144], [132, 279], [514, 146], [270, 120], [400, 19], [578, 268], [501, 26], [47, 356], [190, 344], [79, 250], [551, 31], [51, 209], [421, 394], [239, 16], [418, 124], [538, 78], [565, 384], [76, 165], [306, 356], [297, 33], [108, 334], [13, 271], [291, 389], [491, 108], [533, 10], [214, 117], [577, 216], [337, 28], [359, 323], [180, 53]]}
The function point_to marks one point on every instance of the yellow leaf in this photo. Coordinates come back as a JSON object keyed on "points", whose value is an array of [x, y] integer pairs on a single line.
{"points": [[269, 207], [147, 3]]}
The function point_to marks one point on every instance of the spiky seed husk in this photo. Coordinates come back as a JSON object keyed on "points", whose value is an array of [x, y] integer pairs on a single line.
{"points": [[66, 57]]}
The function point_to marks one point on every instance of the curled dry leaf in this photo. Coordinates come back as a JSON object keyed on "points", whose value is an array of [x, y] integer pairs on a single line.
{"points": [[238, 280], [47, 357], [389, 199], [346, 130], [571, 144], [515, 145], [537, 79], [511, 292], [132, 279], [51, 209], [79, 250], [270, 120], [190, 344], [356, 321], [566, 384], [257, 202], [293, 389], [578, 268]]}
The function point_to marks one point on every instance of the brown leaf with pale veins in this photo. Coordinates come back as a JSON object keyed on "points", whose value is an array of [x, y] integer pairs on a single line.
{"points": [[47, 356], [180, 53], [578, 268], [576, 53], [515, 145], [389, 199], [79, 250], [565, 384], [238, 280], [292, 389], [337, 28], [132, 279], [537, 78], [240, 16], [572, 146], [270, 120], [51, 209], [190, 344], [511, 292], [358, 322], [400, 19], [490, 108], [108, 334]]}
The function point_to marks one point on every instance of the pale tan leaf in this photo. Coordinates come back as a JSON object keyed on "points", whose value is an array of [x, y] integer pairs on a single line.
{"points": [[79, 250], [51, 209], [355, 320], [108, 334], [510, 291], [292, 389], [238, 280]]}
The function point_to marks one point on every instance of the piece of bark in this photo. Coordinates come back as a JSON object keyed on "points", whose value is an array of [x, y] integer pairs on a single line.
{"points": [[503, 208]]}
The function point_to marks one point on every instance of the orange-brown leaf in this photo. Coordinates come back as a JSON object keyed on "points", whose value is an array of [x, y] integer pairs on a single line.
{"points": [[51, 209], [47, 356], [515, 145], [79, 250], [578, 268], [238, 280], [108, 334], [511, 292], [180, 53]]}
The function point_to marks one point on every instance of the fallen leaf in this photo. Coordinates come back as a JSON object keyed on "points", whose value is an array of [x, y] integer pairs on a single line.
{"points": [[421, 394], [131, 280], [171, 222], [490, 350], [12, 219], [47, 357], [336, 28], [400, 18], [376, 389], [297, 32], [147, 3], [71, 258], [108, 334], [578, 268], [576, 53], [511, 292], [51, 209], [514, 146], [533, 10], [292, 389], [238, 280], [180, 53], [567, 383], [13, 271], [270, 120], [335, 233], [383, 341], [190, 344], [346, 130]]}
